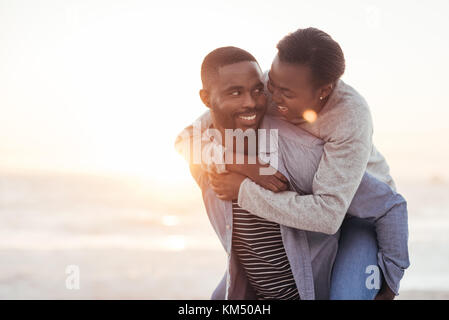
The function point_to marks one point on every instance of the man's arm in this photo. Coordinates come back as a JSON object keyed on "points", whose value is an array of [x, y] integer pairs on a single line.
{"points": [[199, 175], [197, 148]]}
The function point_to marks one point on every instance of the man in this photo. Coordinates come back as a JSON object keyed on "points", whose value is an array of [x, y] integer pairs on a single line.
{"points": [[233, 90]]}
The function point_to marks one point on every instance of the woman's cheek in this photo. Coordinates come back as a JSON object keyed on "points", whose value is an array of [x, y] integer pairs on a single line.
{"points": [[262, 99]]}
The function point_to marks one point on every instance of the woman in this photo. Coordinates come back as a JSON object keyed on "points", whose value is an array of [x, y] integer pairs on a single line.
{"points": [[306, 90]]}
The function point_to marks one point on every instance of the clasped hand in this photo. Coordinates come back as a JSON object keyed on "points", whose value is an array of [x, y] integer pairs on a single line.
{"points": [[227, 185]]}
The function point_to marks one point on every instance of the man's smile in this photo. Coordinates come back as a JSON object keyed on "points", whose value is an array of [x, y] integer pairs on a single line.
{"points": [[248, 118]]}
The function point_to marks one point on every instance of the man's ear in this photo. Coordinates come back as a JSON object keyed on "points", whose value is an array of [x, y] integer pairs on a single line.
{"points": [[204, 95]]}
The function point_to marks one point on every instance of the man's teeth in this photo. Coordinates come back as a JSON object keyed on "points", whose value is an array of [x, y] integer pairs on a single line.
{"points": [[248, 117]]}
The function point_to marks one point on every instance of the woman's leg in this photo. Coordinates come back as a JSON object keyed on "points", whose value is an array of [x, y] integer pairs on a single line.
{"points": [[355, 275]]}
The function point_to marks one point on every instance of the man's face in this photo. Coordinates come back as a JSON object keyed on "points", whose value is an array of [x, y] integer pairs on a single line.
{"points": [[292, 89], [237, 100]]}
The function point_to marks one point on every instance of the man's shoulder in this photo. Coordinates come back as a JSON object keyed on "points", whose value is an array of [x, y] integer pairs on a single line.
{"points": [[290, 133]]}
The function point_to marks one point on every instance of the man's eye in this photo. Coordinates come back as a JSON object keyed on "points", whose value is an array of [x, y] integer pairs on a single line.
{"points": [[258, 90], [235, 93]]}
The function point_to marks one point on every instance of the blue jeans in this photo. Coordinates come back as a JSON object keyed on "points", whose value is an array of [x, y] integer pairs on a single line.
{"points": [[356, 262]]}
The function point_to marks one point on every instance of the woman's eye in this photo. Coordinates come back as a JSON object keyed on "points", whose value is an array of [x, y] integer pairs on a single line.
{"points": [[258, 90], [288, 96], [235, 93]]}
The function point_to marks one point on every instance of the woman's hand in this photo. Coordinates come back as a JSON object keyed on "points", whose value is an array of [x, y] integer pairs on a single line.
{"points": [[226, 185], [275, 182]]}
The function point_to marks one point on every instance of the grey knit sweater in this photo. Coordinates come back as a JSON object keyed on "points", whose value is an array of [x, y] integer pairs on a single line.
{"points": [[345, 126]]}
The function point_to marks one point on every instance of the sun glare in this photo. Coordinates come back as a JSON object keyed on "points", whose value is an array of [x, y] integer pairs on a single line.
{"points": [[309, 116]]}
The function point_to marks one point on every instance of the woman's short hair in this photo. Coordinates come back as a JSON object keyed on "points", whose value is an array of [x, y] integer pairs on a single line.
{"points": [[316, 49]]}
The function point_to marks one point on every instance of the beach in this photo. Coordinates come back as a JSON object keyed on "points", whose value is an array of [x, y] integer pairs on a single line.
{"points": [[130, 242]]}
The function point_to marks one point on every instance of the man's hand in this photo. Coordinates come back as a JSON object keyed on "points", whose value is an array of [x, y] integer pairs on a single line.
{"points": [[226, 185], [275, 182], [385, 293]]}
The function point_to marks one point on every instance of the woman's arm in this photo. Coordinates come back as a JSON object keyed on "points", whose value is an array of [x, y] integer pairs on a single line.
{"points": [[374, 201], [339, 173], [338, 170]]}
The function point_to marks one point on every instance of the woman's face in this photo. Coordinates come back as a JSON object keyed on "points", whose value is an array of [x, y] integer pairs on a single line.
{"points": [[293, 92]]}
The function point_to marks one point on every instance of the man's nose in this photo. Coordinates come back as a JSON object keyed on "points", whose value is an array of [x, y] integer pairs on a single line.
{"points": [[249, 102]]}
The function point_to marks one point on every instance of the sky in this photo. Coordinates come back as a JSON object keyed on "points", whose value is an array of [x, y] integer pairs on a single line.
{"points": [[105, 86]]}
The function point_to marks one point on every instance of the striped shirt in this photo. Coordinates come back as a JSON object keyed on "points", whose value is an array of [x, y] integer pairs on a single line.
{"points": [[259, 247]]}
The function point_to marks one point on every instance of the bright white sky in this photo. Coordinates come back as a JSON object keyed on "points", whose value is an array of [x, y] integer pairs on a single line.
{"points": [[105, 86]]}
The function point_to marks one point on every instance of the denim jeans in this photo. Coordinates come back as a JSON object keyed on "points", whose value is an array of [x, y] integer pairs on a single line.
{"points": [[356, 262]]}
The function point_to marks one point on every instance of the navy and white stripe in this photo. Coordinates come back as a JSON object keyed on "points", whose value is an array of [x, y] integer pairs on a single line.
{"points": [[259, 247]]}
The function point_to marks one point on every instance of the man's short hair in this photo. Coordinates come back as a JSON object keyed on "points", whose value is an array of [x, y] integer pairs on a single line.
{"points": [[221, 57]]}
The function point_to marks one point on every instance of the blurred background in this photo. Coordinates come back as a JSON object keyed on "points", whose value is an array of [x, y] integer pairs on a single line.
{"points": [[93, 94]]}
